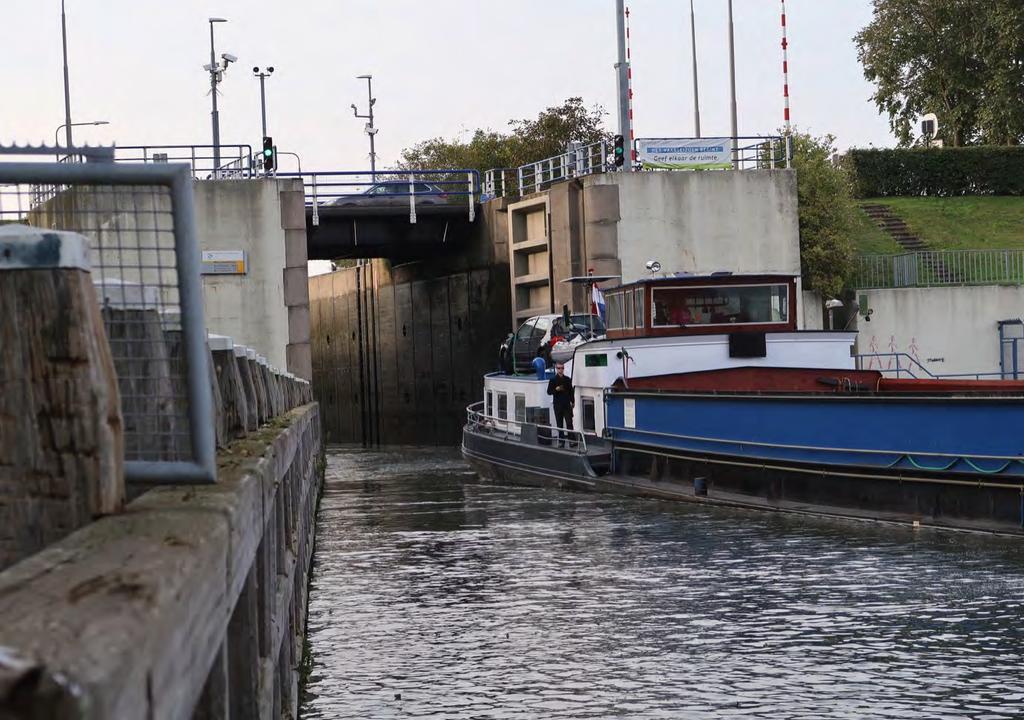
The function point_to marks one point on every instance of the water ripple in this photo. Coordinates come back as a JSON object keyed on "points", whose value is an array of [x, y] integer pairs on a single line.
{"points": [[435, 596]]}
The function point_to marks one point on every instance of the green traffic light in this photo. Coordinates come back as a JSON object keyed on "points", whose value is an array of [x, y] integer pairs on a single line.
{"points": [[268, 153]]}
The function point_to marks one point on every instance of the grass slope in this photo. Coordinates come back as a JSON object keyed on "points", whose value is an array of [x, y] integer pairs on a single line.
{"points": [[959, 223]]}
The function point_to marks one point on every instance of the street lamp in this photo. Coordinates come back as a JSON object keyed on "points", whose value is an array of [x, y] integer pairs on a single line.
{"points": [[216, 71], [370, 129], [263, 75], [56, 134]]}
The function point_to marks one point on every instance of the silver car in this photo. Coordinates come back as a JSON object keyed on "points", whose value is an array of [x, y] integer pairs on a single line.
{"points": [[394, 193]]}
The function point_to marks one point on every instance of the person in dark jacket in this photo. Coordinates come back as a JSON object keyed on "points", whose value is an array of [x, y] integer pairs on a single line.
{"points": [[563, 400]]}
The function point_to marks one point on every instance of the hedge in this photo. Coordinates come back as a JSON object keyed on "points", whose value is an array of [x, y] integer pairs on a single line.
{"points": [[941, 172]]}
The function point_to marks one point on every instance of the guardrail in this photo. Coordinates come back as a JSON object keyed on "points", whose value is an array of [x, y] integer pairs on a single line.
{"points": [[931, 268], [906, 365], [389, 188], [479, 422], [577, 161], [236, 161]]}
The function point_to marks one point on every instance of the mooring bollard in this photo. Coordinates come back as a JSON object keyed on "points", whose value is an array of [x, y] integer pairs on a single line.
{"points": [[61, 434]]}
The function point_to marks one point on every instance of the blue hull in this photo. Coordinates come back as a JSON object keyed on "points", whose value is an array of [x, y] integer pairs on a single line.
{"points": [[954, 437]]}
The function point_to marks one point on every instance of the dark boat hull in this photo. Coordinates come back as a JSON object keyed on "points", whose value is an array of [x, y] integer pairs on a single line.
{"points": [[858, 493]]}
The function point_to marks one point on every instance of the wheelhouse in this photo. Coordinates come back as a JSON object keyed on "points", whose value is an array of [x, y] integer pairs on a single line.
{"points": [[702, 305]]}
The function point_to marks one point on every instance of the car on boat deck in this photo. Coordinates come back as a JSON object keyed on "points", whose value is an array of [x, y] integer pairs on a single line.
{"points": [[542, 332]]}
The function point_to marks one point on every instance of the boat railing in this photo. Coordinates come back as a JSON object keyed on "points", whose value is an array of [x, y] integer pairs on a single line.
{"points": [[904, 365], [525, 432]]}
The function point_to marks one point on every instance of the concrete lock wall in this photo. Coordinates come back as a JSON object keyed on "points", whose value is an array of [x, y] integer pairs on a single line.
{"points": [[268, 306], [398, 353], [948, 329], [744, 222]]}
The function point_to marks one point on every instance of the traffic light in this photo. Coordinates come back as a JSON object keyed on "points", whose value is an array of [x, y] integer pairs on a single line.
{"points": [[269, 155], [619, 150]]}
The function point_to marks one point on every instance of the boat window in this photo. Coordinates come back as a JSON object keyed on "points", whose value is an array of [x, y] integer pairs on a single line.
{"points": [[489, 408], [638, 301], [503, 406], [595, 360], [520, 407], [613, 310], [721, 305], [627, 309], [589, 421]]}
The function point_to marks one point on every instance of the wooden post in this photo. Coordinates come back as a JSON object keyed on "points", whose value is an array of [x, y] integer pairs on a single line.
{"points": [[61, 435]]}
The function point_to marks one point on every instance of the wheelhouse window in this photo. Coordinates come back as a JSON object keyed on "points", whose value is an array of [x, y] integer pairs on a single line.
{"points": [[720, 305], [589, 420], [613, 308], [520, 407], [638, 313], [489, 408], [503, 406]]}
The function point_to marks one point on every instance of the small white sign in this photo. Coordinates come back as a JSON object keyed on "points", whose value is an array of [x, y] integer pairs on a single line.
{"points": [[629, 412], [223, 262]]}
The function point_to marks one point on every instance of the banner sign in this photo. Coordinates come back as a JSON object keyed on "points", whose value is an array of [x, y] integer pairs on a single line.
{"points": [[685, 153]]}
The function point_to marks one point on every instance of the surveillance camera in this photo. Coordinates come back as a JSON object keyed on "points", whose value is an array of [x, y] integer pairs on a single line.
{"points": [[653, 266], [209, 68], [255, 71], [229, 58], [270, 69]]}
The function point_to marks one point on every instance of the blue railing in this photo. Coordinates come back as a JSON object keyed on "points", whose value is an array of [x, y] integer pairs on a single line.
{"points": [[412, 189], [910, 367]]}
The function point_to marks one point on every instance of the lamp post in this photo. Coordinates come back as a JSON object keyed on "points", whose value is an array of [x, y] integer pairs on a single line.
{"points": [[216, 72], [56, 134], [370, 129], [622, 77], [67, 86], [732, 89], [696, 94], [263, 75]]}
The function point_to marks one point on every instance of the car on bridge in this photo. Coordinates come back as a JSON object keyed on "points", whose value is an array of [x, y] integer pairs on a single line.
{"points": [[396, 193]]}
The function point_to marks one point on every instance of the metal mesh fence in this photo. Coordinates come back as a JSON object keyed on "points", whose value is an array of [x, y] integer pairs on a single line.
{"points": [[133, 233]]}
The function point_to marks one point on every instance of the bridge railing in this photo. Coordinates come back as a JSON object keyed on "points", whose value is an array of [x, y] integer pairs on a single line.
{"points": [[233, 162], [577, 161], [412, 189]]}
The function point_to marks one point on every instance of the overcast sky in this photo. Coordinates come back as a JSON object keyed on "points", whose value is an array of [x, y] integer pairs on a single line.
{"points": [[440, 67]]}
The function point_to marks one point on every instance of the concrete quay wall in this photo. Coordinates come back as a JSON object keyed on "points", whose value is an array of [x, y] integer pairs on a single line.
{"points": [[950, 330]]}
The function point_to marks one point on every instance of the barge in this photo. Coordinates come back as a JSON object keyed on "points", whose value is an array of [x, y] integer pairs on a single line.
{"points": [[704, 390]]}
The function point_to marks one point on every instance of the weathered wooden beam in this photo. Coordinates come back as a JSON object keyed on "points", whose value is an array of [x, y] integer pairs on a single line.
{"points": [[232, 391], [129, 614], [61, 433]]}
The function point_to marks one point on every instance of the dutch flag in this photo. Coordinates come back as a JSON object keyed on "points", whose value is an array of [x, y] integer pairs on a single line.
{"points": [[597, 303]]}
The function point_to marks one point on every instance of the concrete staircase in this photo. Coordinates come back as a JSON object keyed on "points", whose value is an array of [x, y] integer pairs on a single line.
{"points": [[894, 226], [897, 229]]}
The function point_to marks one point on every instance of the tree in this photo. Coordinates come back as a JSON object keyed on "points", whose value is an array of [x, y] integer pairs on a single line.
{"points": [[827, 215], [961, 59], [529, 140]]}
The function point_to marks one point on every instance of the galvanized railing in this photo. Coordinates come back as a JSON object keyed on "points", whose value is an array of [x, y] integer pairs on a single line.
{"points": [[235, 161], [577, 161], [905, 365], [929, 268], [398, 189], [508, 429]]}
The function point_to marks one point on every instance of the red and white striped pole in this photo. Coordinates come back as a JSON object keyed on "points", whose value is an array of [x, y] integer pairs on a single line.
{"points": [[629, 85], [785, 89], [785, 68]]}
